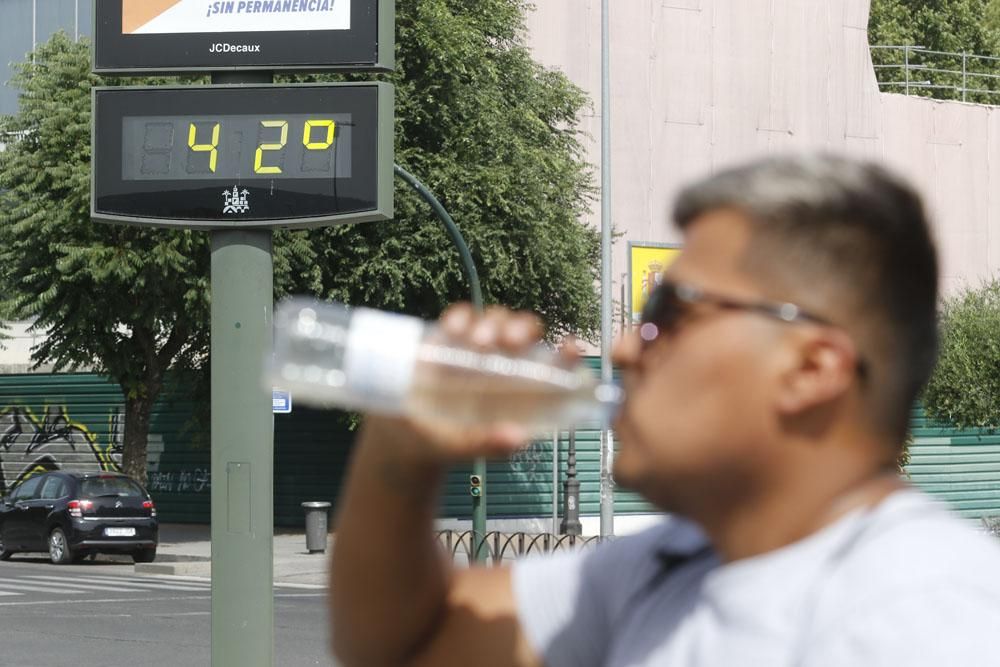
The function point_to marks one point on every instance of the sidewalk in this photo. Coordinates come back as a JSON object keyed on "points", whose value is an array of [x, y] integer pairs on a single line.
{"points": [[186, 549]]}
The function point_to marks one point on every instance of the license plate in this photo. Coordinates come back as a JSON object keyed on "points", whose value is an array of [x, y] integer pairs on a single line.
{"points": [[119, 532]]}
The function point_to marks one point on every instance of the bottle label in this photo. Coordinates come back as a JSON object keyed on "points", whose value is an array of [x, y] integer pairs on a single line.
{"points": [[380, 358]]}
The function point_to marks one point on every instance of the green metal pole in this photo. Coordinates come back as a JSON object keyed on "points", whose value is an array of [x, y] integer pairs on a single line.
{"points": [[242, 443], [456, 235], [242, 451], [479, 546]]}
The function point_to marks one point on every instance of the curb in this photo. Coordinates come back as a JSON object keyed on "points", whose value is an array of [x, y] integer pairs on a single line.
{"points": [[181, 558], [201, 568]]}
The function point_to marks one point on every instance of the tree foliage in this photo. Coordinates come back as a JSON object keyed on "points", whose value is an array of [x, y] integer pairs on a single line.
{"points": [[965, 387], [490, 131], [942, 25], [131, 303], [493, 135], [951, 26]]}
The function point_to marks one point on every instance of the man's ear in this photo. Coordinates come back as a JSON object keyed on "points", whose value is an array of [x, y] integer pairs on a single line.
{"points": [[820, 370]]}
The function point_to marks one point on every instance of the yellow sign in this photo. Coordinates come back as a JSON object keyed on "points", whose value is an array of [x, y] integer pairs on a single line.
{"points": [[647, 262]]}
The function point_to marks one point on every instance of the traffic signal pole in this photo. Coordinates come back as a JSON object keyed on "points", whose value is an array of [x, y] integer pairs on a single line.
{"points": [[477, 481]]}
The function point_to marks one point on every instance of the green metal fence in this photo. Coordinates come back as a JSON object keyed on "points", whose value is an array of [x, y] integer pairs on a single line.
{"points": [[75, 420], [960, 467]]}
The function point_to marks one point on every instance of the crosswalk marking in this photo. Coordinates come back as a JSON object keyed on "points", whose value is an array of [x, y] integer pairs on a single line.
{"points": [[113, 581], [33, 588], [97, 583], [70, 583], [96, 601], [74, 584]]}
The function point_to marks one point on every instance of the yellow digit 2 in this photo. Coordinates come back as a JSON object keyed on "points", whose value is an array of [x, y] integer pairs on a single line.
{"points": [[212, 149], [318, 145], [258, 167]]}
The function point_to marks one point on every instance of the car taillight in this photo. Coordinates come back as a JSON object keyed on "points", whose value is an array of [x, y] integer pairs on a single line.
{"points": [[77, 507], [148, 505]]}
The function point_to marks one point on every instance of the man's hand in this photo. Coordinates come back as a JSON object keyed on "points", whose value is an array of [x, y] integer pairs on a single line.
{"points": [[439, 442], [391, 498]]}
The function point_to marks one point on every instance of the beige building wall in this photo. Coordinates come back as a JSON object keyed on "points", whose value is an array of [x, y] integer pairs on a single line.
{"points": [[698, 85]]}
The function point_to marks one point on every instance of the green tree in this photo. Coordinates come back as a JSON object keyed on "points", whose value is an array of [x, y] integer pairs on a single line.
{"points": [[953, 26], [491, 132], [129, 303], [494, 135], [965, 387]]}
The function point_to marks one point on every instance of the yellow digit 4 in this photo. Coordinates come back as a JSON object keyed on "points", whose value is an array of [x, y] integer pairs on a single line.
{"points": [[212, 148], [258, 167], [311, 145]]}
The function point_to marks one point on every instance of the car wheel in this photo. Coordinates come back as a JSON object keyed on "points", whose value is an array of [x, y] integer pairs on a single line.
{"points": [[4, 552], [144, 555], [59, 551]]}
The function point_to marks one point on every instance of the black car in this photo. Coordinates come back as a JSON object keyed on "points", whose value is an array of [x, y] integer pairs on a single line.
{"points": [[75, 514]]}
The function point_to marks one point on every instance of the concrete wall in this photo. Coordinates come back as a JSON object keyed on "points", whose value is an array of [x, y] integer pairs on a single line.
{"points": [[698, 85], [15, 349]]}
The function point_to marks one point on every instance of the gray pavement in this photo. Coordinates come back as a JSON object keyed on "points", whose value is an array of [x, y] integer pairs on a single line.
{"points": [[186, 549], [100, 613]]}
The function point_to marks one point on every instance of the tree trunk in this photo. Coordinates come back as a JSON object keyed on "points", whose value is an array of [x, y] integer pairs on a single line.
{"points": [[138, 411]]}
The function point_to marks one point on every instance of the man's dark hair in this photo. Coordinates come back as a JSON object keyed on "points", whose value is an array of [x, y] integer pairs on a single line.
{"points": [[851, 241]]}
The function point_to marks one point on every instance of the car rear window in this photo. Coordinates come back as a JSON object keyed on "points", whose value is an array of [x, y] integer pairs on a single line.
{"points": [[52, 489], [93, 487]]}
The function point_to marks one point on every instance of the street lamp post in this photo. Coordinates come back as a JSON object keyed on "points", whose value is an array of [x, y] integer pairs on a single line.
{"points": [[607, 437], [571, 492]]}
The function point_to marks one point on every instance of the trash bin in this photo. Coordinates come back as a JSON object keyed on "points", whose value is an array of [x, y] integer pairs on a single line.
{"points": [[316, 520]]}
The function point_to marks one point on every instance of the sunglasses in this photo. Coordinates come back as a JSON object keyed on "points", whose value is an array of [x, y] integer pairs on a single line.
{"points": [[670, 302]]}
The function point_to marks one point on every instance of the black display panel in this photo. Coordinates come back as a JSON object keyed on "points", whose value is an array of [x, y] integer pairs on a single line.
{"points": [[252, 156], [142, 36], [206, 147]]}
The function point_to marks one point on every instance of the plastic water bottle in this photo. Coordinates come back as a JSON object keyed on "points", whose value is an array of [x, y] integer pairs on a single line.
{"points": [[329, 355]]}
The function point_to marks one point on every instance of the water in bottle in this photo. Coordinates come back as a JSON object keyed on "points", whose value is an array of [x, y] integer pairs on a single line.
{"points": [[327, 354]]}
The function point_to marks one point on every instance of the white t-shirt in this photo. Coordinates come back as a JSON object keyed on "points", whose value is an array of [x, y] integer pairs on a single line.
{"points": [[902, 584]]}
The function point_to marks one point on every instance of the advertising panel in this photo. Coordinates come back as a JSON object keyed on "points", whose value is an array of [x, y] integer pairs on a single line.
{"points": [[173, 17], [176, 36], [647, 262]]}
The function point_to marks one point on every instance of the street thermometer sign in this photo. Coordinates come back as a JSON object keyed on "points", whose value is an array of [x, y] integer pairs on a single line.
{"points": [[242, 156], [238, 159]]}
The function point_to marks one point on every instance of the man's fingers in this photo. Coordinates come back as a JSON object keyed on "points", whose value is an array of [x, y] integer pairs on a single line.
{"points": [[485, 333], [456, 320], [520, 331], [569, 351], [504, 438], [498, 327]]}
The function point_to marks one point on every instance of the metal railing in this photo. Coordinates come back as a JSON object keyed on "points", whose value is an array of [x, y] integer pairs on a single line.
{"points": [[500, 547], [916, 70]]}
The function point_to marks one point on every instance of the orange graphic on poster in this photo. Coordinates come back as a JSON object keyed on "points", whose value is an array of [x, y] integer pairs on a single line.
{"points": [[137, 13]]}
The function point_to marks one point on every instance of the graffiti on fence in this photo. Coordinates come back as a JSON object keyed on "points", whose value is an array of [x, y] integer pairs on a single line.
{"points": [[530, 462], [30, 444], [197, 480]]}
